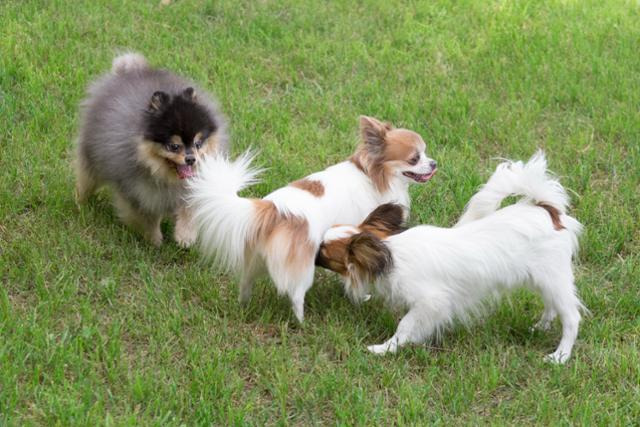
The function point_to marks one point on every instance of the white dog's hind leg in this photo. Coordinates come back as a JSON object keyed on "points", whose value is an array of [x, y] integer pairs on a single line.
{"points": [[414, 327], [570, 318], [547, 318], [560, 291]]}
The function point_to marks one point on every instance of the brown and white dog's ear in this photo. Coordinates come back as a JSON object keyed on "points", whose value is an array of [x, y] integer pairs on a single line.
{"points": [[367, 257], [385, 220], [373, 131]]}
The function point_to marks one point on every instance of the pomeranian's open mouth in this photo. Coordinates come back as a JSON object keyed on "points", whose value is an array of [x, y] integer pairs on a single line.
{"points": [[420, 177], [184, 171]]}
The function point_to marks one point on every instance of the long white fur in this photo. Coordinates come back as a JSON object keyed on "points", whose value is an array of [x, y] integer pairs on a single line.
{"points": [[531, 180], [225, 220], [442, 274]]}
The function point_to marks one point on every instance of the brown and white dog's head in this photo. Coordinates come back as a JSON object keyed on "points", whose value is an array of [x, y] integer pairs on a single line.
{"points": [[386, 152], [358, 253]]}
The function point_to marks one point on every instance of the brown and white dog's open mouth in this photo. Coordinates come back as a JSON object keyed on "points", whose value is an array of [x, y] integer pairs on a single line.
{"points": [[420, 177]]}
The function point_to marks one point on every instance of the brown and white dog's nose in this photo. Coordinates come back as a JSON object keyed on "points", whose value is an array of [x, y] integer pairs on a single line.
{"points": [[433, 164], [190, 160]]}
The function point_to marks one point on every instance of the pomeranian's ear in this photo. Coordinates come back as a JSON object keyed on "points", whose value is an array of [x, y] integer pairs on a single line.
{"points": [[189, 94], [373, 131], [158, 101], [385, 220]]}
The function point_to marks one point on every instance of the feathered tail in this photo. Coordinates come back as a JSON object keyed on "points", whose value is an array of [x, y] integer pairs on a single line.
{"points": [[530, 180], [224, 220]]}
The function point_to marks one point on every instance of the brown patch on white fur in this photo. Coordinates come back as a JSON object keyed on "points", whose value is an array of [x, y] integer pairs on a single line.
{"points": [[554, 213], [381, 149], [273, 229], [314, 187]]}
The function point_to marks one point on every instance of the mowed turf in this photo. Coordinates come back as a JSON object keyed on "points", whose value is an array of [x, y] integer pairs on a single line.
{"points": [[98, 327]]}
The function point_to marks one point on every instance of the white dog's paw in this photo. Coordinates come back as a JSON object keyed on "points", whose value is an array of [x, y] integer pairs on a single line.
{"points": [[557, 357], [541, 326], [379, 349]]}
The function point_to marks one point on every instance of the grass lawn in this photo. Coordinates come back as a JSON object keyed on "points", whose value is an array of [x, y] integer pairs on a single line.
{"points": [[98, 327]]}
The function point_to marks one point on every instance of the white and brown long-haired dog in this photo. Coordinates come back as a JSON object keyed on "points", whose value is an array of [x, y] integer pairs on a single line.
{"points": [[442, 274], [282, 232]]}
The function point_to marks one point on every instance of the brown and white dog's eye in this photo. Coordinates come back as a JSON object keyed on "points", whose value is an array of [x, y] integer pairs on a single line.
{"points": [[414, 160], [173, 147], [198, 144]]}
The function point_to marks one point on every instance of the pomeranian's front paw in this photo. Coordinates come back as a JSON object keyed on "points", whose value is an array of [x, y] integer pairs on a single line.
{"points": [[155, 238], [185, 240]]}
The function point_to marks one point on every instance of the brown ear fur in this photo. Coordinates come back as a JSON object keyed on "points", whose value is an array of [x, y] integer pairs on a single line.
{"points": [[373, 133], [367, 257], [386, 220]]}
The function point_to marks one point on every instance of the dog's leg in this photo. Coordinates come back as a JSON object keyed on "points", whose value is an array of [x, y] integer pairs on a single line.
{"points": [[290, 260], [570, 318], [148, 225], [252, 269], [185, 232], [295, 281], [86, 183], [548, 316], [560, 291], [302, 284], [414, 327]]}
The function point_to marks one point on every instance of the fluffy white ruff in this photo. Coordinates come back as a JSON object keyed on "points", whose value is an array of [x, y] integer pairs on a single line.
{"points": [[442, 274]]}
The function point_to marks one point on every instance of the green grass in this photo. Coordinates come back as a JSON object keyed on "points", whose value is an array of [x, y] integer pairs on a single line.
{"points": [[97, 327]]}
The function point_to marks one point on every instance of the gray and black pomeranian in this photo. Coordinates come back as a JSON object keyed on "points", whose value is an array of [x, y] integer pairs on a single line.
{"points": [[143, 133]]}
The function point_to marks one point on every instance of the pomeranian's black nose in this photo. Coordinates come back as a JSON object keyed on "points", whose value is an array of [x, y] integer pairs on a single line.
{"points": [[433, 164], [190, 160]]}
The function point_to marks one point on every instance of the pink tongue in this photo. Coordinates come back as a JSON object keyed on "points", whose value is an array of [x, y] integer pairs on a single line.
{"points": [[184, 171]]}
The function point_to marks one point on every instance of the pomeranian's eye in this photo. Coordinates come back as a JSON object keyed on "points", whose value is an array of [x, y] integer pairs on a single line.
{"points": [[414, 160], [198, 144], [173, 147]]}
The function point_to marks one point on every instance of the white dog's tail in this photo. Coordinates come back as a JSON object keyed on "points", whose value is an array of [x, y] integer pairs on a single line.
{"points": [[225, 221], [129, 62], [530, 180]]}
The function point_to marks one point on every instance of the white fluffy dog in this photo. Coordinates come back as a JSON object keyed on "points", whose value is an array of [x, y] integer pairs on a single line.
{"points": [[442, 274], [281, 233]]}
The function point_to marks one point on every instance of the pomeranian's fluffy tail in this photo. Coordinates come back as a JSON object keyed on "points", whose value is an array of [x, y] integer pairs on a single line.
{"points": [[128, 63], [225, 221], [530, 180]]}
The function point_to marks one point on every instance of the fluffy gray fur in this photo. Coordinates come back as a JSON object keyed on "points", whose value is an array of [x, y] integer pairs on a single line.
{"points": [[112, 126]]}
